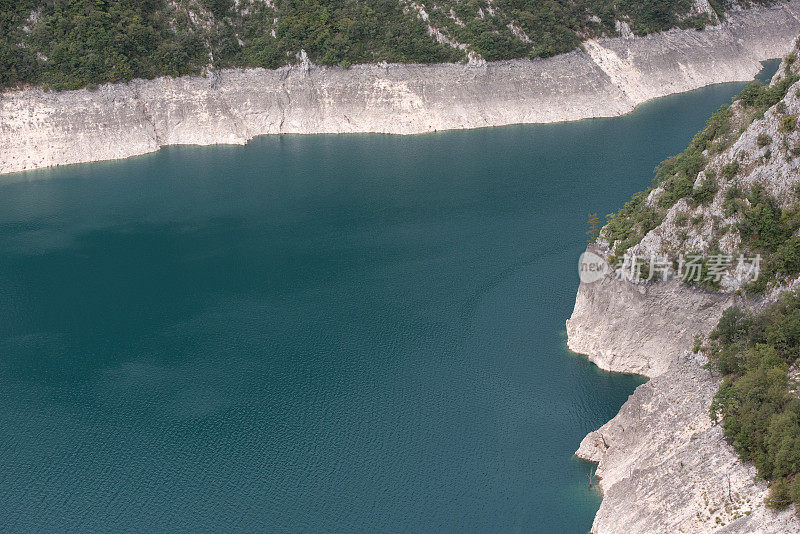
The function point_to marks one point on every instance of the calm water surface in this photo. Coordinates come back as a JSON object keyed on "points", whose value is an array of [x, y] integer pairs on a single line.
{"points": [[356, 333]]}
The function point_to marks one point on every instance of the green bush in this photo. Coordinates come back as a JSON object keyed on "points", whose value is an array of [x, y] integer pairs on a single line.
{"points": [[789, 61], [733, 326], [780, 495], [96, 41], [751, 94], [760, 415], [633, 221], [675, 188], [763, 139], [730, 170], [706, 192], [733, 206], [786, 258], [765, 226]]}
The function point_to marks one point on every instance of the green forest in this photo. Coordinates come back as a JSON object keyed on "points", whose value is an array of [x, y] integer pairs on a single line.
{"points": [[758, 400], [68, 44]]}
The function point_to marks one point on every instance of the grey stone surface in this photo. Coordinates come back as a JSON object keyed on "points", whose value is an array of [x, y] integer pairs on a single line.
{"points": [[612, 76], [663, 464]]}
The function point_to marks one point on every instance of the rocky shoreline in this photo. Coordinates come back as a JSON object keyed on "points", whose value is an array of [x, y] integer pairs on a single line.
{"points": [[610, 77], [663, 465]]}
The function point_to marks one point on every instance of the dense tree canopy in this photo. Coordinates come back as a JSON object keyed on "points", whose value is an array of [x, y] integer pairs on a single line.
{"points": [[75, 43]]}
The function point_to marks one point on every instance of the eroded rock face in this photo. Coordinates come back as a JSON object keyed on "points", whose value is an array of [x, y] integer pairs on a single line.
{"points": [[665, 467], [762, 151], [611, 77], [639, 328], [663, 464]]}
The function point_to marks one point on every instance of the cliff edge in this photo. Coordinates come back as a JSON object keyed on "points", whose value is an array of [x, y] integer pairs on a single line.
{"points": [[639, 328], [610, 77], [663, 465]]}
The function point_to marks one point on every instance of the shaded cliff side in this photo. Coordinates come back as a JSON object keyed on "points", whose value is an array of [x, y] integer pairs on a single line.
{"points": [[663, 465], [611, 77]]}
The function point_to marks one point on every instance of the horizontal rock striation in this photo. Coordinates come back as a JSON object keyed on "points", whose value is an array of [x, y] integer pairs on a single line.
{"points": [[639, 328], [612, 76], [663, 464]]}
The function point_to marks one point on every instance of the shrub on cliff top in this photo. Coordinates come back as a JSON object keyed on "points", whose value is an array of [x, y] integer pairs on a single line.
{"points": [[633, 221], [765, 228], [676, 175], [760, 97]]}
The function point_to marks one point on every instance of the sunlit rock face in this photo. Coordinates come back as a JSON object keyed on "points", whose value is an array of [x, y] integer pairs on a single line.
{"points": [[611, 77]]}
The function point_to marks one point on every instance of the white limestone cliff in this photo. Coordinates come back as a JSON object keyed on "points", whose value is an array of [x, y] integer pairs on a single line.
{"points": [[663, 463], [611, 77], [664, 466]]}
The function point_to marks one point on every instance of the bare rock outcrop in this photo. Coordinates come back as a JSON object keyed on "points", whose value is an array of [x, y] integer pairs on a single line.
{"points": [[639, 328], [664, 465], [611, 77], [762, 150]]}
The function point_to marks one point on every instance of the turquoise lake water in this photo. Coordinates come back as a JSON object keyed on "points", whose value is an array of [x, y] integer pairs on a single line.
{"points": [[356, 333]]}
